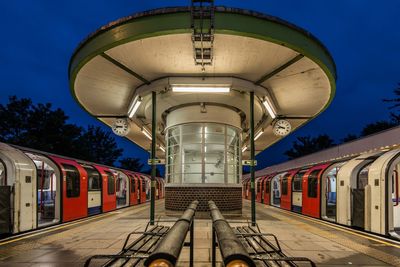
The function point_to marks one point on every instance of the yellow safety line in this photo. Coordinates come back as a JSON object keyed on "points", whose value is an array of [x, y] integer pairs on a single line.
{"points": [[337, 227]]}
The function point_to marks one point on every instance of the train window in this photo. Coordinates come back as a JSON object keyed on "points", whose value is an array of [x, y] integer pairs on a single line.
{"points": [[313, 184], [3, 180], [110, 183], [285, 185], [362, 179], [143, 184], [298, 181], [73, 180], [267, 186], [258, 186], [93, 179]]}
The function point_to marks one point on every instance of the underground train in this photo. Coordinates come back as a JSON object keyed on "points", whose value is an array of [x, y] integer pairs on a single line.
{"points": [[39, 189], [360, 192]]}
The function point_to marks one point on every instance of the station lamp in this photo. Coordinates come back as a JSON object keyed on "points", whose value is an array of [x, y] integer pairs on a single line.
{"points": [[134, 106], [258, 134], [200, 89], [162, 148], [146, 133], [244, 149], [268, 105]]}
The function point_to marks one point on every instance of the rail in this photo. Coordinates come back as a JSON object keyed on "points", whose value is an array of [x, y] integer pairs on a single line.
{"points": [[150, 246]]}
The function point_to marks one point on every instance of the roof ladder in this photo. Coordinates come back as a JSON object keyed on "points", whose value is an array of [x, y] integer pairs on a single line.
{"points": [[202, 24]]}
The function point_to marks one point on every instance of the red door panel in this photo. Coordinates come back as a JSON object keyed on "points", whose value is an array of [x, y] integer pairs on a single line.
{"points": [[133, 184], [312, 190], [108, 190], [74, 189], [286, 193], [259, 182], [267, 189]]}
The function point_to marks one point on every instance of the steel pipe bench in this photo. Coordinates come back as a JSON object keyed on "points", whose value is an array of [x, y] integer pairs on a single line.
{"points": [[155, 244]]}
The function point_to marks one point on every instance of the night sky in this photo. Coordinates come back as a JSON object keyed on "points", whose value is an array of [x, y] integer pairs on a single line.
{"points": [[37, 41]]}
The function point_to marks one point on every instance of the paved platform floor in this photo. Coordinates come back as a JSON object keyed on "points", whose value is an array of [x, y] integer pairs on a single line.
{"points": [[72, 244]]}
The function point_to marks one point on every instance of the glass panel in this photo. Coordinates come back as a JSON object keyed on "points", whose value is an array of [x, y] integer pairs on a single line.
{"points": [[133, 185], [362, 179], [297, 181], [312, 189], [285, 184], [110, 183], [72, 180], [94, 179]]}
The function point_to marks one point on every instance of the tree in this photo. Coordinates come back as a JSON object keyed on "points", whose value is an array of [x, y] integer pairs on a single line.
{"points": [[348, 138], [132, 164], [305, 145], [376, 127], [98, 146], [395, 118]]}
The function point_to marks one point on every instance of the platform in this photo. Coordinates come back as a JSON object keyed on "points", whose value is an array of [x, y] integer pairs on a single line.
{"points": [[71, 244]]}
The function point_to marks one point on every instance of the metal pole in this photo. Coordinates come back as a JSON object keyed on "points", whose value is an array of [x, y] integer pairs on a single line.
{"points": [[153, 156], [213, 247], [191, 248], [252, 158]]}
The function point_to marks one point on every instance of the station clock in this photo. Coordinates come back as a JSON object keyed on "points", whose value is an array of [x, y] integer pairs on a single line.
{"points": [[282, 127], [121, 127]]}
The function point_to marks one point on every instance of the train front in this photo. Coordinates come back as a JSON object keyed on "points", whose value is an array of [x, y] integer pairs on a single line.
{"points": [[210, 75]]}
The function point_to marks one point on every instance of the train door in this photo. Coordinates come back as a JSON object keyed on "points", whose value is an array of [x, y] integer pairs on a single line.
{"points": [[74, 189], [48, 190], [267, 190], [258, 188], [276, 192], [157, 181], [94, 189], [297, 191], [286, 186], [5, 201], [133, 196], [328, 192], [122, 184], [358, 198], [146, 187]]}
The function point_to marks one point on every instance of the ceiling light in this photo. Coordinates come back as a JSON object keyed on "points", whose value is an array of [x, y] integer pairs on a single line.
{"points": [[146, 133], [258, 135], [244, 149], [201, 89], [162, 148], [134, 106], [268, 105]]}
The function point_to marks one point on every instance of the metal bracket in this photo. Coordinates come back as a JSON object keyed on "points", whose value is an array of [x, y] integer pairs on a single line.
{"points": [[152, 162], [249, 162]]}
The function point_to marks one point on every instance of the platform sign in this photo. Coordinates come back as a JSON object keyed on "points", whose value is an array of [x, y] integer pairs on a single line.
{"points": [[156, 162], [249, 162]]}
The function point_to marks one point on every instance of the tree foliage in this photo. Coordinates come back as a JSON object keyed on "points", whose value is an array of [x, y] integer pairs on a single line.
{"points": [[44, 128], [305, 145], [395, 115], [376, 127], [132, 164], [348, 138]]}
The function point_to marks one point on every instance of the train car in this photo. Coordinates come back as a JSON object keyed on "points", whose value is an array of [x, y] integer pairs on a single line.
{"points": [[108, 184], [311, 197], [382, 197]]}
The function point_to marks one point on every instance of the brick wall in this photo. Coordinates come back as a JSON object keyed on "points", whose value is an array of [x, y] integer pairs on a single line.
{"points": [[226, 198]]}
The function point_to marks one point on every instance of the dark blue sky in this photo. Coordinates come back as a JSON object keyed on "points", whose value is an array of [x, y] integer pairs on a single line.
{"points": [[38, 38]]}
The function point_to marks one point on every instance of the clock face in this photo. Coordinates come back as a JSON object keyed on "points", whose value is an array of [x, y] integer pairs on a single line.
{"points": [[282, 127], [120, 127]]}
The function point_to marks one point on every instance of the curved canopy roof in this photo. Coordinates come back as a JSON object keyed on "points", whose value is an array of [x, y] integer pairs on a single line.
{"points": [[251, 52]]}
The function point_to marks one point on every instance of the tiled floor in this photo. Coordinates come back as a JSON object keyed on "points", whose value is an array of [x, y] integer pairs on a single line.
{"points": [[72, 245]]}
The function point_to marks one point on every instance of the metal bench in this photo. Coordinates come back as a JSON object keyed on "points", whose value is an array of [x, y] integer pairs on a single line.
{"points": [[156, 243], [263, 249]]}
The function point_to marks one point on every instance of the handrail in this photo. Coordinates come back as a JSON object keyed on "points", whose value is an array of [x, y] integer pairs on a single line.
{"points": [[168, 250], [232, 250]]}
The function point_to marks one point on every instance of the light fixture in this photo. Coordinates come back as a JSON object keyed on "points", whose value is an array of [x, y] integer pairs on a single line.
{"points": [[200, 89], [244, 149], [268, 105], [258, 134], [134, 106], [205, 149], [162, 148], [146, 133]]}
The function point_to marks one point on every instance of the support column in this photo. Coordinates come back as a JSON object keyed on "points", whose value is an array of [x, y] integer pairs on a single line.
{"points": [[153, 156], [252, 159]]}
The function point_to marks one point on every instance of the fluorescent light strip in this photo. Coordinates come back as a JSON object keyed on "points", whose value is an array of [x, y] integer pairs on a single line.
{"points": [[201, 89], [146, 133], [258, 135], [244, 149], [134, 106], [270, 109], [162, 148]]}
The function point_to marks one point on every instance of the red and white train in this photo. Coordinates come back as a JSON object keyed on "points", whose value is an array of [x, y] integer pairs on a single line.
{"points": [[360, 192], [39, 189]]}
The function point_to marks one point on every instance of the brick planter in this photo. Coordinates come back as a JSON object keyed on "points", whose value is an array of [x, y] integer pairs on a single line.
{"points": [[227, 198]]}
